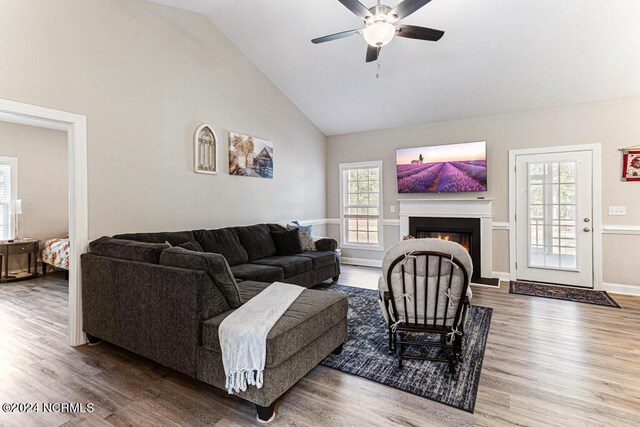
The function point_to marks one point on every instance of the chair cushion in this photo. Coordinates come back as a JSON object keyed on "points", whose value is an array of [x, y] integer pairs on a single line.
{"points": [[214, 265], [257, 241], [260, 273], [128, 249], [287, 242], [310, 316], [320, 259], [292, 265], [223, 241], [173, 237]]}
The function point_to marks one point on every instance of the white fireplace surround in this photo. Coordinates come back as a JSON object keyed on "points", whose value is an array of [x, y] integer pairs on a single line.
{"points": [[454, 208]]}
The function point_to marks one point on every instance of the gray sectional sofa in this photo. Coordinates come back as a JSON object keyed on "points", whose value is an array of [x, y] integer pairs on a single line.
{"points": [[152, 294], [251, 253]]}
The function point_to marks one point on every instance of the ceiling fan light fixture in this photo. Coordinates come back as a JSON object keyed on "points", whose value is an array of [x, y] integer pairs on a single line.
{"points": [[379, 33]]}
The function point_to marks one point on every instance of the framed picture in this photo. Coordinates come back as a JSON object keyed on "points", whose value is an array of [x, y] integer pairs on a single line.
{"points": [[631, 165], [205, 147], [250, 156]]}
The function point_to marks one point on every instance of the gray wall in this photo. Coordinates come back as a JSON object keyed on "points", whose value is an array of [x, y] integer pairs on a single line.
{"points": [[42, 180], [613, 124], [146, 76]]}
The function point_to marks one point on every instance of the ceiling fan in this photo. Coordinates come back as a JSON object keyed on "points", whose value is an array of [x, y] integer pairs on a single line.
{"points": [[381, 25]]}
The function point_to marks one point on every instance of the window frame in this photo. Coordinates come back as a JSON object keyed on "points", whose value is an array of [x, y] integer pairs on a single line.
{"points": [[343, 228], [12, 162]]}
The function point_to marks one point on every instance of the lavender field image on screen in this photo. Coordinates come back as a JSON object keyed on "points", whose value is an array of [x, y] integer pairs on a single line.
{"points": [[455, 168]]}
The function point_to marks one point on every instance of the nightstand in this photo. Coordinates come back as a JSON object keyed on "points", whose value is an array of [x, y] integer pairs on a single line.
{"points": [[19, 247]]}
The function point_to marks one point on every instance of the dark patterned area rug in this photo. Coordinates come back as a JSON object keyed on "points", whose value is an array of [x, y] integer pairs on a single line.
{"points": [[366, 354], [566, 293]]}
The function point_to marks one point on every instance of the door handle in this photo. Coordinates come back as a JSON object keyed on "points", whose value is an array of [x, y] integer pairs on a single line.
{"points": [[586, 229]]}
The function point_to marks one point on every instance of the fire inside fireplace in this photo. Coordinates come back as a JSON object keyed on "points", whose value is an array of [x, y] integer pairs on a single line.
{"points": [[464, 239]]}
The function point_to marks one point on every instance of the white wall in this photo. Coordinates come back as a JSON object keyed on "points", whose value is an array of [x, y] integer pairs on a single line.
{"points": [[613, 123], [146, 76], [42, 180]]}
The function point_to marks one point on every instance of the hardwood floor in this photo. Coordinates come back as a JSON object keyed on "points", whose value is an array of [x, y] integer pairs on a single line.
{"points": [[547, 362]]}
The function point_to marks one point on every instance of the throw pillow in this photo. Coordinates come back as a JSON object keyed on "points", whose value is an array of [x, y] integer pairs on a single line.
{"points": [[287, 242], [304, 233], [191, 245]]}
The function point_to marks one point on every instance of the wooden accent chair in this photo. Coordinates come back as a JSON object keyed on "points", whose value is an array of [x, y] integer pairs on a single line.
{"points": [[425, 290]]}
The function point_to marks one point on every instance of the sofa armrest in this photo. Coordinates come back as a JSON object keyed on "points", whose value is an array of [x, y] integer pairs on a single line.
{"points": [[326, 244], [152, 310]]}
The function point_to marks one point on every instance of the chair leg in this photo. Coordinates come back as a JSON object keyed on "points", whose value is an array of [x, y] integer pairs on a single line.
{"points": [[400, 351]]}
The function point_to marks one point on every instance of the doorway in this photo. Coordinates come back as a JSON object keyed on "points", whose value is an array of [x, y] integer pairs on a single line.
{"points": [[555, 215], [76, 128]]}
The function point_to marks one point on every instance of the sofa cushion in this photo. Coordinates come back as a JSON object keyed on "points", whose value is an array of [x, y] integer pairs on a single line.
{"points": [[312, 314], [257, 241], [292, 265], [174, 238], [223, 241], [214, 265], [260, 273], [287, 242], [191, 245], [128, 249], [320, 259]]}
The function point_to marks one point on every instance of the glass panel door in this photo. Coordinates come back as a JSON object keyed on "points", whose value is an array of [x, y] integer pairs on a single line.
{"points": [[554, 208], [552, 215]]}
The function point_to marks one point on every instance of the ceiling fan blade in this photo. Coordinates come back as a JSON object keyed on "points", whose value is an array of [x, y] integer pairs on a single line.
{"points": [[335, 36], [372, 53], [358, 8], [406, 8], [420, 33]]}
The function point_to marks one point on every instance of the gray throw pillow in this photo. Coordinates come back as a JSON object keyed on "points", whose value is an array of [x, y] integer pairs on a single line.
{"points": [[304, 233]]}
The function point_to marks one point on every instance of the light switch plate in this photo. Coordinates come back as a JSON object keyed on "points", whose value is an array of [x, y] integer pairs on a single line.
{"points": [[617, 210]]}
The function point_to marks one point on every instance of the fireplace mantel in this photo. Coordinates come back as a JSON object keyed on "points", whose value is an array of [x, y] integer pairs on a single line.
{"points": [[454, 208]]}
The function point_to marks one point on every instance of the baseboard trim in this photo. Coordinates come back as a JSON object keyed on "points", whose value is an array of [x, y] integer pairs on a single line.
{"points": [[621, 288], [362, 262], [502, 275]]}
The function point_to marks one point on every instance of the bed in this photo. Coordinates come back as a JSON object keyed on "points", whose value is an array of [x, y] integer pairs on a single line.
{"points": [[55, 252]]}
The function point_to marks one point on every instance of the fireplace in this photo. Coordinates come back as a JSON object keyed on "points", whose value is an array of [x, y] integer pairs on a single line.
{"points": [[460, 219], [465, 231], [463, 239]]}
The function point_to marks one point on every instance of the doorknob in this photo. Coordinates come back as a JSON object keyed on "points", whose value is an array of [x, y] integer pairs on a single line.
{"points": [[586, 229], [587, 220]]}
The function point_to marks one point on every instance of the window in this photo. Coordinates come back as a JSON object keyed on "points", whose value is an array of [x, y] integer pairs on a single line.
{"points": [[8, 192], [361, 205]]}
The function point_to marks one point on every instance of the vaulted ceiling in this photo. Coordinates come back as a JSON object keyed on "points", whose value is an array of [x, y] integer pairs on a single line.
{"points": [[496, 56]]}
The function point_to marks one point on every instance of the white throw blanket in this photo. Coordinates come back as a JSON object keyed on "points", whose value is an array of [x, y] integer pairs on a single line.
{"points": [[243, 335]]}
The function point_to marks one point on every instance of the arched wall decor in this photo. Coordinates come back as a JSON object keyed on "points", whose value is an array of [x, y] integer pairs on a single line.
{"points": [[205, 145]]}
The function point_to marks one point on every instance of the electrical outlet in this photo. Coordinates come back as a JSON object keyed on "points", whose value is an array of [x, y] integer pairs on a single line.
{"points": [[617, 210], [393, 208]]}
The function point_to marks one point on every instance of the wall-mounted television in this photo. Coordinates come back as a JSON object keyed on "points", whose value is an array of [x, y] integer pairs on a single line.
{"points": [[452, 168]]}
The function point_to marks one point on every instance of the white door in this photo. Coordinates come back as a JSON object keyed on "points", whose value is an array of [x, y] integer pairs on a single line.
{"points": [[554, 212]]}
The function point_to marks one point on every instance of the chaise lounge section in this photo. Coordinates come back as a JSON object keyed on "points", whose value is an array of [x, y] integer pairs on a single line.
{"points": [[166, 303]]}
